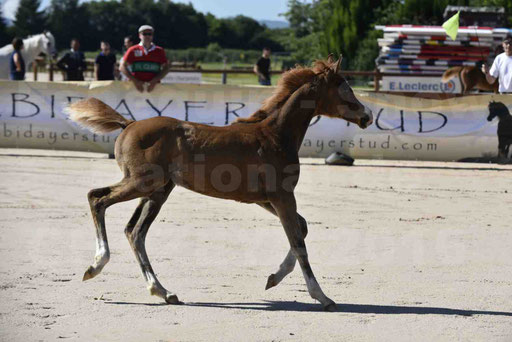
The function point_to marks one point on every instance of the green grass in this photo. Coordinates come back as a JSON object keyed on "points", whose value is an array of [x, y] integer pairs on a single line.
{"points": [[219, 65], [236, 79]]}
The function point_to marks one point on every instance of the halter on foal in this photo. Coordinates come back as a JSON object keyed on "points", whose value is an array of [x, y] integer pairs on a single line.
{"points": [[254, 160]]}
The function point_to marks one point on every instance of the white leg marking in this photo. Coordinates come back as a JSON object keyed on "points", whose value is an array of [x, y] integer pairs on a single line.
{"points": [[102, 254], [316, 292], [286, 267]]}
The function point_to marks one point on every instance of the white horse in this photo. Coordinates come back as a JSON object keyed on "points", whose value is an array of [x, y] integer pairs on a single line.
{"points": [[32, 47]]}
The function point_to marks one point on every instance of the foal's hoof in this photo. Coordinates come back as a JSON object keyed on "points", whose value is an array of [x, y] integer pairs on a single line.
{"points": [[172, 299], [271, 282], [331, 307], [89, 274]]}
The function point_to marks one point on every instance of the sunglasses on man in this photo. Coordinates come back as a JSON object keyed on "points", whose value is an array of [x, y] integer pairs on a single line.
{"points": [[147, 34]]}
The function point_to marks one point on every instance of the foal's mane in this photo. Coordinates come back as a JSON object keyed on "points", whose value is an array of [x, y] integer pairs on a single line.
{"points": [[289, 83]]}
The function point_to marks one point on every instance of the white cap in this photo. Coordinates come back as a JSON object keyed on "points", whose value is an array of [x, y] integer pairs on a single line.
{"points": [[145, 28]]}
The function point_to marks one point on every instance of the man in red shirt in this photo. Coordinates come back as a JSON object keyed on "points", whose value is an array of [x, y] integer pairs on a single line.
{"points": [[147, 62]]}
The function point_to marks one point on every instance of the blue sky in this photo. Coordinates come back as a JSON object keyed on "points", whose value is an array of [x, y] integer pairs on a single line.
{"points": [[259, 9]]}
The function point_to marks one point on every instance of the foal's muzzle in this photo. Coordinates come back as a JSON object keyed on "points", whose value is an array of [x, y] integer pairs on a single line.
{"points": [[366, 120]]}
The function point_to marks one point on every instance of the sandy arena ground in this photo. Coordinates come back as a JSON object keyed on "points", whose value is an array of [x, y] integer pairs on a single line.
{"points": [[410, 252]]}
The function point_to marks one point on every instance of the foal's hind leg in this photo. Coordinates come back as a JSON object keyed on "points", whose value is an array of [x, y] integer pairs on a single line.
{"points": [[136, 232], [290, 260], [99, 200], [502, 149], [286, 210], [506, 148]]}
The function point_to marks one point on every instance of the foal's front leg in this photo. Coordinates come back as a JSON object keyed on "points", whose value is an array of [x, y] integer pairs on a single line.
{"points": [[290, 260], [286, 209]]}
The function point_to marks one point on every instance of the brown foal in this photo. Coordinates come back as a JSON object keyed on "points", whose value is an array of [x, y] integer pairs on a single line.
{"points": [[470, 77], [253, 160]]}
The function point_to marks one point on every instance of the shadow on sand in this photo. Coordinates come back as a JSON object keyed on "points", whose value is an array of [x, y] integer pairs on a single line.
{"points": [[463, 167], [342, 308]]}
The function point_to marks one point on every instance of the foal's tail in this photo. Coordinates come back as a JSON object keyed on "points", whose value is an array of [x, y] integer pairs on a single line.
{"points": [[451, 73], [96, 116]]}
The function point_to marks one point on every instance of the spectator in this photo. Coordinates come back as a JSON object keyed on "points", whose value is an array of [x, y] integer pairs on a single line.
{"points": [[16, 63], [148, 61], [262, 67], [129, 41], [73, 63], [105, 63], [501, 68]]}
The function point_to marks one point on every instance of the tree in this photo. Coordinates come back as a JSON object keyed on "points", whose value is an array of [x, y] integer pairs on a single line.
{"points": [[68, 19], [348, 24], [219, 31], [28, 19], [367, 52], [4, 36], [239, 32], [300, 17], [246, 29], [176, 25], [104, 23], [304, 36], [265, 39], [179, 25]]}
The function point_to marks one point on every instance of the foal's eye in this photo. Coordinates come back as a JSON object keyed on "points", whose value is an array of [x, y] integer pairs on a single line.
{"points": [[340, 80], [344, 87]]}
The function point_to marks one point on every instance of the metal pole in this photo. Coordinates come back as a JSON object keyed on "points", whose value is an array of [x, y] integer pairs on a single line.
{"points": [[376, 81], [224, 75], [34, 69], [51, 70]]}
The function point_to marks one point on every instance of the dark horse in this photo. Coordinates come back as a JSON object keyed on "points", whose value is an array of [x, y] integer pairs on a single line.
{"points": [[504, 127], [254, 160]]}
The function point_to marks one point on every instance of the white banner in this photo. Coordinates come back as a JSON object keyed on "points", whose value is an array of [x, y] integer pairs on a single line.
{"points": [[183, 77], [404, 127], [420, 84]]}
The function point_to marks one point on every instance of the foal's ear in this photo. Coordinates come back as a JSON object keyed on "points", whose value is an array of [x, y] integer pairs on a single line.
{"points": [[330, 58], [337, 69]]}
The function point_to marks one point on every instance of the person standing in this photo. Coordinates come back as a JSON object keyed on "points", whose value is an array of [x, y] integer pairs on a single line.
{"points": [[262, 68], [73, 63], [129, 41], [501, 68], [16, 62], [105, 63], [147, 61]]}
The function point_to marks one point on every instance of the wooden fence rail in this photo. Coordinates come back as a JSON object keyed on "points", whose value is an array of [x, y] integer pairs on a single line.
{"points": [[376, 75]]}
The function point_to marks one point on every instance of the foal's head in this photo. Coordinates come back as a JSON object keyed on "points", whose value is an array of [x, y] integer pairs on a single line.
{"points": [[335, 97], [338, 100], [497, 109]]}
